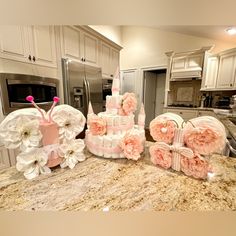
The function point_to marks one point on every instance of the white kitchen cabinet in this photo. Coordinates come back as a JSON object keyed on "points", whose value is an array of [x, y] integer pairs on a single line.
{"points": [[211, 74], [43, 45], [186, 114], [182, 66], [14, 43], [4, 158], [31, 44], [70, 42], [206, 113], [227, 71], [109, 60], [79, 45]]}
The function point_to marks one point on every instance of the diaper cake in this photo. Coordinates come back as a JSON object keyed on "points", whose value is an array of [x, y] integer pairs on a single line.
{"points": [[113, 133], [186, 146], [44, 139]]}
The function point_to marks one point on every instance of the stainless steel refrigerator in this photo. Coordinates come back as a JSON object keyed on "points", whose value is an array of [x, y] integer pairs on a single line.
{"points": [[82, 83]]}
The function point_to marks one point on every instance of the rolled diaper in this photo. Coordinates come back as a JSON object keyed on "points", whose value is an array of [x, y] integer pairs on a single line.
{"points": [[163, 127], [115, 146], [100, 145], [205, 135], [107, 144]]}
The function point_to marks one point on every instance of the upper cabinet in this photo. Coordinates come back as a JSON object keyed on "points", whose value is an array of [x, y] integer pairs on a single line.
{"points": [[79, 45], [89, 47], [187, 64], [227, 70], [110, 60], [31, 44], [211, 73], [221, 71]]}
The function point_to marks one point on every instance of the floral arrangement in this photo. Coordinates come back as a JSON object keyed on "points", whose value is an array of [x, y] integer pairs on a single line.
{"points": [[128, 104], [45, 139], [187, 148]]}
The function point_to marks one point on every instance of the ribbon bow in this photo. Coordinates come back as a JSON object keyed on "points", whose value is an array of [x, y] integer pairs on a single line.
{"points": [[184, 151]]}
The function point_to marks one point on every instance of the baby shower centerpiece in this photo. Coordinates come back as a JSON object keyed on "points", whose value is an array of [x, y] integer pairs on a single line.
{"points": [[113, 133], [186, 146], [44, 139]]}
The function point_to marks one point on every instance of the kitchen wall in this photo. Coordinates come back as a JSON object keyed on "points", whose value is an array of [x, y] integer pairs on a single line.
{"points": [[112, 32], [146, 46]]}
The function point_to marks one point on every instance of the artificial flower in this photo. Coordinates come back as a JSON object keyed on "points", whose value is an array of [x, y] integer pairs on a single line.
{"points": [[70, 123], [132, 147], [129, 104], [32, 163], [97, 125], [23, 132], [160, 157], [162, 130], [196, 167], [71, 152]]}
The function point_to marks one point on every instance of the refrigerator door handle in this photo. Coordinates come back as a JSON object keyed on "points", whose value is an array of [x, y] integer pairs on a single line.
{"points": [[86, 91]]}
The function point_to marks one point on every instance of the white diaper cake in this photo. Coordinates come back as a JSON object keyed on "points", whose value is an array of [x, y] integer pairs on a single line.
{"points": [[113, 133]]}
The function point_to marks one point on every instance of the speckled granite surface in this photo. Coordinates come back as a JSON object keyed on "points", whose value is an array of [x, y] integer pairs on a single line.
{"points": [[120, 185]]}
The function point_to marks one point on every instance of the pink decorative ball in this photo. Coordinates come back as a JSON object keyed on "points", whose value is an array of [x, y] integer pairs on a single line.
{"points": [[56, 99], [30, 98]]}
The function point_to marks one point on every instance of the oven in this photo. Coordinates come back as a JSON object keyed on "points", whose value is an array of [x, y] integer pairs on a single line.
{"points": [[106, 90], [16, 87]]}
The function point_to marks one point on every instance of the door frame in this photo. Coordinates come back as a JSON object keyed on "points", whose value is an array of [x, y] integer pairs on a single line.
{"points": [[142, 71]]}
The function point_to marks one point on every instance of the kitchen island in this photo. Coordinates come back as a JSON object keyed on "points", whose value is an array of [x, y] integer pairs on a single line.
{"points": [[106, 184]]}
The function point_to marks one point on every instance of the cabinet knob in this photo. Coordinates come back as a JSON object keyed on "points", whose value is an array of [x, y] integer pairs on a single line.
{"points": [[231, 85], [82, 59], [181, 113], [33, 58], [111, 75], [29, 57]]}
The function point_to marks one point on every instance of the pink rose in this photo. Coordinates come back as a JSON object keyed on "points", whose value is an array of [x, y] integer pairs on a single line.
{"points": [[97, 125], [195, 167], [162, 130], [131, 146], [129, 104], [160, 157], [204, 140]]}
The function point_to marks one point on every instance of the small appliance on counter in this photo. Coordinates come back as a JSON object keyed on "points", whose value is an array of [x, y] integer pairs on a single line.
{"points": [[223, 103]]}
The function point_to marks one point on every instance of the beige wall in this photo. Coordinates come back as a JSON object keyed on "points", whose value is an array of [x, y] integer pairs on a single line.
{"points": [[112, 32], [146, 46]]}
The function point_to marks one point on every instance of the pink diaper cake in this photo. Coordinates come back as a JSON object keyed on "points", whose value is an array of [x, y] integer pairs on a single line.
{"points": [[113, 133], [186, 146]]}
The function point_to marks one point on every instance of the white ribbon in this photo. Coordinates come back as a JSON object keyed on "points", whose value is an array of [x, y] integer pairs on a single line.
{"points": [[184, 151]]}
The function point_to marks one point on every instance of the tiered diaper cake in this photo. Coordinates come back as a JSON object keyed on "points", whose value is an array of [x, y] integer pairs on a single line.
{"points": [[113, 133]]}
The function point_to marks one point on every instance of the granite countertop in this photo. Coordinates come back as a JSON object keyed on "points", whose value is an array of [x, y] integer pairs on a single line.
{"points": [[121, 184]]}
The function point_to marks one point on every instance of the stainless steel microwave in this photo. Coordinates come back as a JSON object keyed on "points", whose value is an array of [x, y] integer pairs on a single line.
{"points": [[16, 87]]}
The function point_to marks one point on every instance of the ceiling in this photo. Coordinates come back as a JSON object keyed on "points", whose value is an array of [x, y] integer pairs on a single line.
{"points": [[212, 32]]}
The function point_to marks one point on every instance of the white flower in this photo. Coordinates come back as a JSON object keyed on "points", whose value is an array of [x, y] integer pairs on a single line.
{"points": [[70, 121], [23, 132], [72, 152], [32, 163]]}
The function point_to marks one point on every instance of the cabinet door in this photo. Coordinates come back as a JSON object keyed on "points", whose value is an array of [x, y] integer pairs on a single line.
{"points": [[194, 62], [70, 42], [185, 114], [211, 73], [105, 60], [89, 44], [178, 64], [207, 113], [14, 43], [43, 46], [4, 158], [225, 78], [115, 61]]}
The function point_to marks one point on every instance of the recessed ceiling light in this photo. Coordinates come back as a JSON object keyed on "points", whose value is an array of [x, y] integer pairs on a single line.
{"points": [[231, 31]]}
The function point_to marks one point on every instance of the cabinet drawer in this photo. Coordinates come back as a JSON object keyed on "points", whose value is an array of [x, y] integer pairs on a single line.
{"points": [[185, 114], [206, 113]]}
